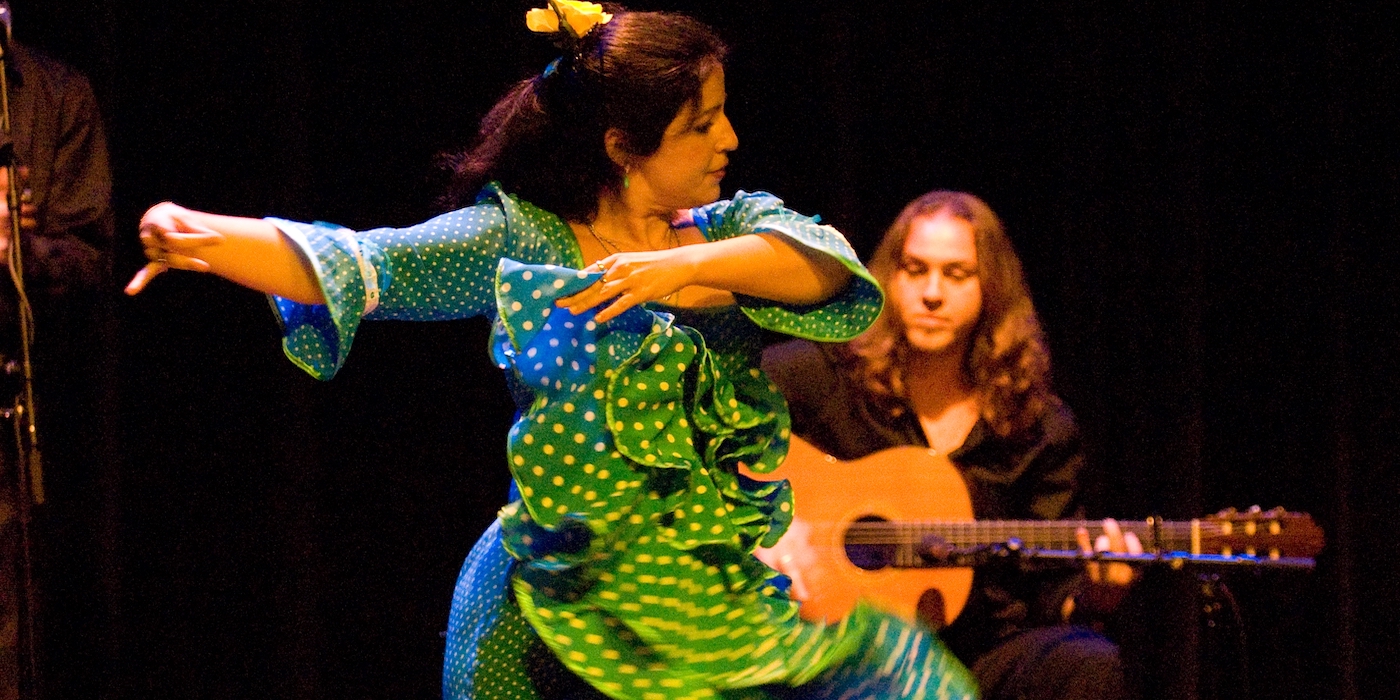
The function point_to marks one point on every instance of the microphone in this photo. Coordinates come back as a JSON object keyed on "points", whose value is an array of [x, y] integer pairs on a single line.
{"points": [[6, 18], [935, 551]]}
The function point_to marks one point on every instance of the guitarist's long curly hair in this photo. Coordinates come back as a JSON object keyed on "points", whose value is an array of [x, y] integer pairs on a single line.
{"points": [[1007, 361]]}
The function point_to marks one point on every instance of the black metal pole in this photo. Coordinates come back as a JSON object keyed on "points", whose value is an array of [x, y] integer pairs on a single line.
{"points": [[29, 481]]}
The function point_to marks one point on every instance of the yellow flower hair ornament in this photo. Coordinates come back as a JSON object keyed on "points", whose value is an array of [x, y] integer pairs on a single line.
{"points": [[575, 17]]}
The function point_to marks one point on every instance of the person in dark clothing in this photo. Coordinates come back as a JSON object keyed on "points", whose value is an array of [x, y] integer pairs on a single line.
{"points": [[957, 363], [61, 150], [60, 153], [66, 223]]}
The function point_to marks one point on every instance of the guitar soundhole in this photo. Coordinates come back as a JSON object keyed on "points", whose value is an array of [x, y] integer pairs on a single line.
{"points": [[867, 555]]}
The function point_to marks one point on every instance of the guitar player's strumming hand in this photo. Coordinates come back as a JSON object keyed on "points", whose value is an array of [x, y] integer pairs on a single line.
{"points": [[1108, 582], [791, 556]]}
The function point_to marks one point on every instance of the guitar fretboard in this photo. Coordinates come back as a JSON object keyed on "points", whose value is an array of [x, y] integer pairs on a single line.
{"points": [[1194, 536]]}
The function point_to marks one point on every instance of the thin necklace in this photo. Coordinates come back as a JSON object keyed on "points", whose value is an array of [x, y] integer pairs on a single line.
{"points": [[613, 247], [609, 247]]}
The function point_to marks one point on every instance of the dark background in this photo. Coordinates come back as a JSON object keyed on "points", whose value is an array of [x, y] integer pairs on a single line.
{"points": [[1204, 194]]}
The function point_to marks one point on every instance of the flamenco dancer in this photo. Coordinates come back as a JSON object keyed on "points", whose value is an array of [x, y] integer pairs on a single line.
{"points": [[628, 306]]}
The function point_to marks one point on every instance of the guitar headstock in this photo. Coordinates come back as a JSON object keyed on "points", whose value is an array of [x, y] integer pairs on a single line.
{"points": [[1267, 534]]}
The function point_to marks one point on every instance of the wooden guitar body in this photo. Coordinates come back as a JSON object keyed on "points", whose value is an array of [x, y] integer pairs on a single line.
{"points": [[832, 494]]}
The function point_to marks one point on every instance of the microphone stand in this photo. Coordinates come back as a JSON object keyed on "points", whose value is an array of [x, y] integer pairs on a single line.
{"points": [[1221, 624], [29, 479]]}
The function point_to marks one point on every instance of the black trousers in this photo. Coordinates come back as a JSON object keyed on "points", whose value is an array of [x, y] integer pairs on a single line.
{"points": [[1052, 663]]}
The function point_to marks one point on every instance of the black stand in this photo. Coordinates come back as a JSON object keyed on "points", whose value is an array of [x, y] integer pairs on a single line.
{"points": [[1223, 653], [1223, 658], [26, 489]]}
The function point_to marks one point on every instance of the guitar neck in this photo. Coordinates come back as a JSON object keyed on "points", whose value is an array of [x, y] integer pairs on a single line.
{"points": [[1038, 534]]}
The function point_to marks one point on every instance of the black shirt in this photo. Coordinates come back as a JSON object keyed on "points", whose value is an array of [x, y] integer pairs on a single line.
{"points": [[58, 136]]}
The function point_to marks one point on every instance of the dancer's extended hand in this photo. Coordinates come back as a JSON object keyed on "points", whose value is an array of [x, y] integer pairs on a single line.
{"points": [[172, 241], [792, 555]]}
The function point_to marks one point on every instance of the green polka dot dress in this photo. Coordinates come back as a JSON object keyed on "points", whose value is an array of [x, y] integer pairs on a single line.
{"points": [[622, 567]]}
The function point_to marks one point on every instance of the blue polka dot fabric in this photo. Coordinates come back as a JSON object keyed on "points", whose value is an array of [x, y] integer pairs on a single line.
{"points": [[623, 567]]}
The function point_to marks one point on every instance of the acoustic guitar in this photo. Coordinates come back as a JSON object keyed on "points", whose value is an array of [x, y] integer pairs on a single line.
{"points": [[894, 525]]}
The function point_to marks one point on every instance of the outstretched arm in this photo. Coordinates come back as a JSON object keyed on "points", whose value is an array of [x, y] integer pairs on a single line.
{"points": [[250, 252]]}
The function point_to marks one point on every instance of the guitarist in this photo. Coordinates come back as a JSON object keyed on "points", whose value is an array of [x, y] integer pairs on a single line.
{"points": [[957, 363]]}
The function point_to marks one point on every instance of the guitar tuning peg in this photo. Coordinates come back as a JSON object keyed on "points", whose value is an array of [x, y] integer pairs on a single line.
{"points": [[1255, 510], [1226, 512], [1277, 512]]}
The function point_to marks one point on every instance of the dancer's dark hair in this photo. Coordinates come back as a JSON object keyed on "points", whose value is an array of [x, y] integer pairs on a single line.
{"points": [[544, 141]]}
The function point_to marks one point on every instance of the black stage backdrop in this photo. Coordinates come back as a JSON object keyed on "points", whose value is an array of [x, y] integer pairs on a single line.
{"points": [[1205, 196]]}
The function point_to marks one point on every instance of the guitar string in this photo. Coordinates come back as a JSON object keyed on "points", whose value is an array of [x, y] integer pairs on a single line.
{"points": [[1039, 532]]}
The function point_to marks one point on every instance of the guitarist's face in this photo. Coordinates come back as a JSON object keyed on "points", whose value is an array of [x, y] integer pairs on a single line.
{"points": [[936, 290]]}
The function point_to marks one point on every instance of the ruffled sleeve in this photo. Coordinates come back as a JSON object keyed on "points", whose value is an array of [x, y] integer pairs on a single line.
{"points": [[839, 318], [350, 272], [440, 269]]}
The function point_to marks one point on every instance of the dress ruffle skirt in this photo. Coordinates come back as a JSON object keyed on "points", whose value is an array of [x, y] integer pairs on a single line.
{"points": [[629, 551]]}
